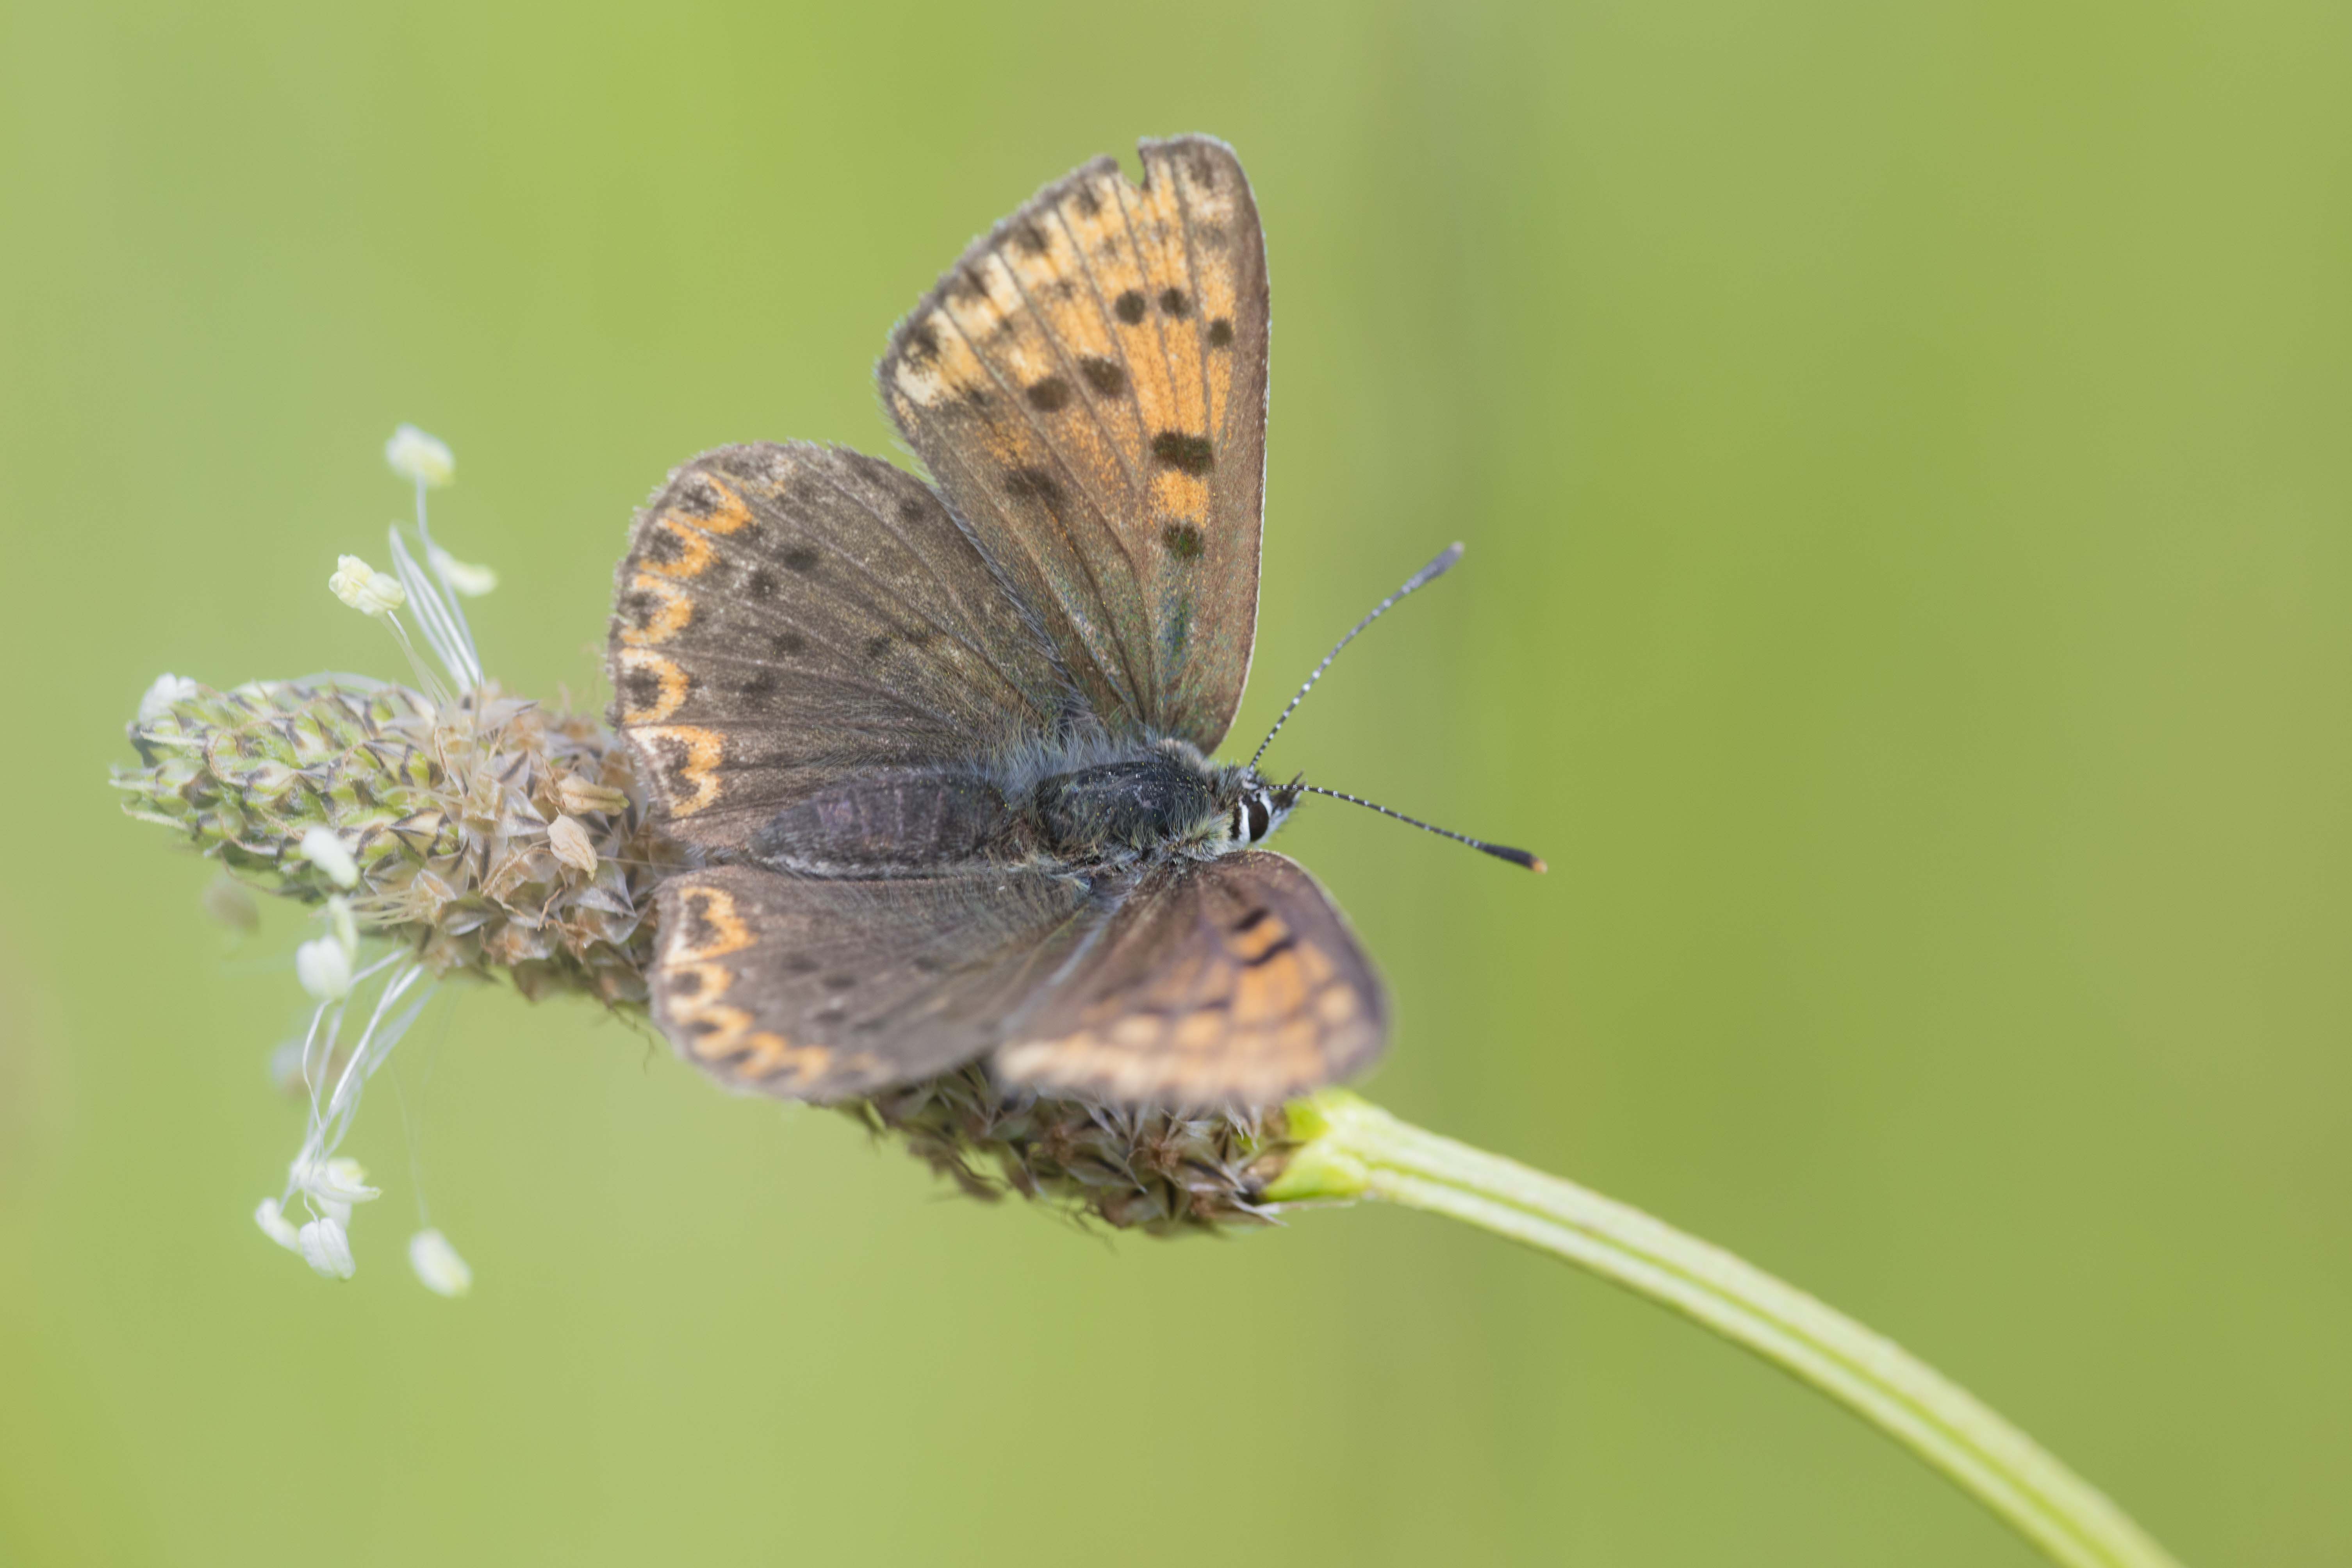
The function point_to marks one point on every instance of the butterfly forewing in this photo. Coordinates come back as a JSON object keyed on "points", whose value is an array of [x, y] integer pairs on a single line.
{"points": [[790, 616], [822, 989], [1221, 983], [1089, 387]]}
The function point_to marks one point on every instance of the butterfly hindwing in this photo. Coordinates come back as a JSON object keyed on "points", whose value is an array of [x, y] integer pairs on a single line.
{"points": [[1089, 387], [1230, 981], [790, 614], [822, 989]]}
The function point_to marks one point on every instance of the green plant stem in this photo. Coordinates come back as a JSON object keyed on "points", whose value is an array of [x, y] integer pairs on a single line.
{"points": [[1352, 1149]]}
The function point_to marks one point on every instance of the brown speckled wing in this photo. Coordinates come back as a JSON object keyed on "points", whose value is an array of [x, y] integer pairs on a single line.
{"points": [[790, 615], [1233, 982], [1087, 384], [823, 989]]}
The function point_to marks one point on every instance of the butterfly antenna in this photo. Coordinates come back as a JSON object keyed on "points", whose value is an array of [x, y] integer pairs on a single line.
{"points": [[1429, 573], [1499, 851]]}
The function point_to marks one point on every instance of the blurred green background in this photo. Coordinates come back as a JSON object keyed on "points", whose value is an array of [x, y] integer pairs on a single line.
{"points": [[1907, 459]]}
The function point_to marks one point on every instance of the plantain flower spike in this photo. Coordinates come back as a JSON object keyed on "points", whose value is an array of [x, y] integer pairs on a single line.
{"points": [[450, 830]]}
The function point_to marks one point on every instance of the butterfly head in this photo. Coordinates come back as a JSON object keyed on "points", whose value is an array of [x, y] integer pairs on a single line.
{"points": [[1258, 808]]}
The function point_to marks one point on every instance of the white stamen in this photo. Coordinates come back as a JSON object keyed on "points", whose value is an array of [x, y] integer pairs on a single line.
{"points": [[331, 1118], [462, 576], [323, 965], [323, 850], [326, 1249], [340, 922], [365, 589], [437, 1264], [277, 1226], [339, 1181], [443, 623], [420, 458], [167, 690]]}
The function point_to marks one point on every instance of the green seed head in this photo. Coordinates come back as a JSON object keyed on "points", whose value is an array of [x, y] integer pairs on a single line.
{"points": [[490, 833]]}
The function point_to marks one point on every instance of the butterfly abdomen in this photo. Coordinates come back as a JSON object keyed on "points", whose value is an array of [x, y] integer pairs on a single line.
{"points": [[886, 825]]}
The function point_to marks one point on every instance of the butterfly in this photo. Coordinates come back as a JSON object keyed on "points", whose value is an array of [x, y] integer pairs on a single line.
{"points": [[939, 753]]}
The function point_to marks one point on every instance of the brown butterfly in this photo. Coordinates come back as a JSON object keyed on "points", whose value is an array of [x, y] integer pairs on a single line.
{"points": [[941, 755]]}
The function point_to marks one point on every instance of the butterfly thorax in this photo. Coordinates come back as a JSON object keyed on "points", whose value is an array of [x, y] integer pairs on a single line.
{"points": [[1162, 799]]}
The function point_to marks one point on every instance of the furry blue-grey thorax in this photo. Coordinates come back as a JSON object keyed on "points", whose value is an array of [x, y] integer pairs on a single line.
{"points": [[1166, 797], [1096, 808]]}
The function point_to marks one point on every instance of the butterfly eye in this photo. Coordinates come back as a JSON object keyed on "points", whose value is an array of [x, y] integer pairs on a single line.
{"points": [[1261, 817]]}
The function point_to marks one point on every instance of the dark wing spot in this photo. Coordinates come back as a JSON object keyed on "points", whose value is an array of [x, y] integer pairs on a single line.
{"points": [[912, 510], [1088, 203], [1104, 375], [1182, 539], [1129, 306], [695, 498], [686, 983], [1253, 920], [699, 933], [761, 686], [877, 645], [1273, 950], [801, 558], [925, 963], [966, 284], [636, 609], [789, 643], [1029, 239], [641, 687], [921, 342], [675, 764], [797, 963], [1193, 454], [663, 546], [762, 584], [839, 982], [1031, 484], [1173, 302], [1220, 332], [1050, 393]]}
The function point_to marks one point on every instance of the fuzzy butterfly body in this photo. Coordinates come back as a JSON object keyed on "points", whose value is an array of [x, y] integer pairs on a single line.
{"points": [[941, 755]]}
